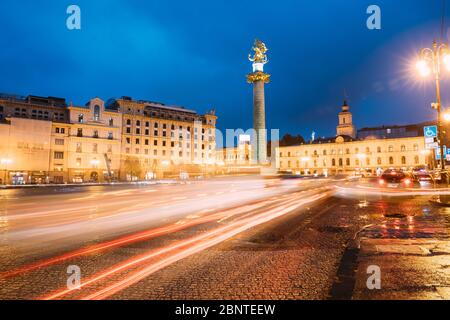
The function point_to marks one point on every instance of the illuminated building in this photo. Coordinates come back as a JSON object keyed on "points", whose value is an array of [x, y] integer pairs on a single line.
{"points": [[44, 140], [158, 139], [371, 150], [94, 143]]}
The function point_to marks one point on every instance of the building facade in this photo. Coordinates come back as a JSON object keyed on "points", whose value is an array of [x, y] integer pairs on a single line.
{"points": [[45, 140], [158, 139], [348, 152]]}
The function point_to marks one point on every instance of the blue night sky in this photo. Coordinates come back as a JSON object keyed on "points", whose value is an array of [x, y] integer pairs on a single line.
{"points": [[194, 54]]}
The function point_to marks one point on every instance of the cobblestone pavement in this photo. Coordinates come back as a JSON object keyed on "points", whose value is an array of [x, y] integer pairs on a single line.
{"points": [[412, 250]]}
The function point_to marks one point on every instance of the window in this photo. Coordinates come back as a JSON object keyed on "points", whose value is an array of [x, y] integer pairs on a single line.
{"points": [[58, 155], [79, 148], [403, 148], [368, 161], [341, 163], [379, 161], [95, 134], [416, 159], [128, 140], [95, 148], [59, 142], [78, 162], [347, 162], [111, 122], [110, 136], [155, 142], [96, 113], [333, 162], [391, 160], [391, 148], [379, 149], [79, 132], [403, 160], [81, 118], [138, 130], [416, 147], [146, 142], [138, 141], [138, 123], [128, 122]]}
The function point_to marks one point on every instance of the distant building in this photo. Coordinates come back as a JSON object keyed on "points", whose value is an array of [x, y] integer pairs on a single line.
{"points": [[370, 149]]}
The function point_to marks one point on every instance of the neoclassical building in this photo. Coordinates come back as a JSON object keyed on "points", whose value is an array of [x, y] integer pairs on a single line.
{"points": [[46, 140], [371, 149]]}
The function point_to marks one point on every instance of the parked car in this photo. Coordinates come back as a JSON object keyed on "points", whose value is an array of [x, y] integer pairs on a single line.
{"points": [[394, 178]]}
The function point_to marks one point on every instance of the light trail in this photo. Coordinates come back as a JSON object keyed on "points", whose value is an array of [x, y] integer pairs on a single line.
{"points": [[141, 236], [365, 190], [185, 248]]}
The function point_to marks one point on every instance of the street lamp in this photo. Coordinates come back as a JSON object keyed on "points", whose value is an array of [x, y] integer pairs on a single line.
{"points": [[5, 162], [430, 61]]}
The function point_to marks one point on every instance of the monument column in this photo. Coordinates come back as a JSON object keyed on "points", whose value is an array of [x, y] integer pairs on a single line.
{"points": [[259, 78]]}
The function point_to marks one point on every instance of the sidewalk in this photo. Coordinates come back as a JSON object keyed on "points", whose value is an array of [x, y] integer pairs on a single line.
{"points": [[413, 254]]}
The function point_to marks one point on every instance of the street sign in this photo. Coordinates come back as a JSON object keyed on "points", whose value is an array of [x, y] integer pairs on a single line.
{"points": [[446, 152], [430, 132]]}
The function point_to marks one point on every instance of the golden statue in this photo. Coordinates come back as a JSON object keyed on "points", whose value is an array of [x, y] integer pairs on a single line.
{"points": [[260, 52]]}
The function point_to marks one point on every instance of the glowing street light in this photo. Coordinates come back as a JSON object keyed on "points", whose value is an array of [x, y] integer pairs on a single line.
{"points": [[431, 61], [447, 116]]}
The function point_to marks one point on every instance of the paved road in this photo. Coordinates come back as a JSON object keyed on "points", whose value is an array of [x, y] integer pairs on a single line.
{"points": [[233, 238]]}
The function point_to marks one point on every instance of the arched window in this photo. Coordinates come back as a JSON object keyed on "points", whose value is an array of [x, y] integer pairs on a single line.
{"points": [[341, 163], [416, 147], [333, 162], [391, 160], [96, 113], [403, 148], [379, 161], [128, 122], [347, 161], [324, 152], [416, 159], [379, 149], [391, 148], [403, 160], [111, 122]]}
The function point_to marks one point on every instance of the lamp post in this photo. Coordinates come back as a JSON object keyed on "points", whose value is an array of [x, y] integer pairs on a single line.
{"points": [[5, 163], [430, 62]]}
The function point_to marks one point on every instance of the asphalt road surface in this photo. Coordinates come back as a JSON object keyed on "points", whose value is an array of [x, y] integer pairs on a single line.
{"points": [[230, 238]]}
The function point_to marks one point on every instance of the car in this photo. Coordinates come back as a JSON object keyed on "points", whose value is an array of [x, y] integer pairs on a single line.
{"points": [[394, 178], [422, 176]]}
